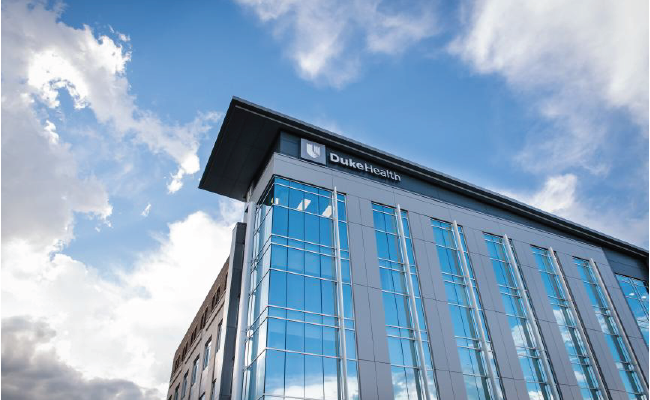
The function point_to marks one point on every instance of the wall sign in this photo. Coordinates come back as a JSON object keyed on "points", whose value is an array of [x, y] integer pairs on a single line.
{"points": [[316, 152]]}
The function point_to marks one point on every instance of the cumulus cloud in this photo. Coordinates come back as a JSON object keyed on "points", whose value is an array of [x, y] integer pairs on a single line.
{"points": [[43, 57], [126, 326], [31, 369], [560, 195], [321, 36], [146, 210], [580, 61]]}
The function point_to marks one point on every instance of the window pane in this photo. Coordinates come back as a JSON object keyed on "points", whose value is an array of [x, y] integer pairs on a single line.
{"points": [[274, 372], [314, 377], [295, 375]]}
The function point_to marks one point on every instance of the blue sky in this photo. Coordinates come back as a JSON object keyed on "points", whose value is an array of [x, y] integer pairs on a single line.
{"points": [[111, 109]]}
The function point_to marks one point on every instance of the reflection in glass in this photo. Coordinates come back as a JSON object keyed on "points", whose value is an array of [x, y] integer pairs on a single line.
{"points": [[616, 347], [636, 294], [293, 349], [400, 328], [464, 321], [573, 342]]}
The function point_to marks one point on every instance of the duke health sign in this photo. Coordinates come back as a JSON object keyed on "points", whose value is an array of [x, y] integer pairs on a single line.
{"points": [[317, 153]]}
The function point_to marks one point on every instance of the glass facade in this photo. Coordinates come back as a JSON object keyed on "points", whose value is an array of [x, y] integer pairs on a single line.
{"points": [[567, 322], [406, 366], [472, 355], [636, 295], [528, 351], [293, 345], [615, 343]]}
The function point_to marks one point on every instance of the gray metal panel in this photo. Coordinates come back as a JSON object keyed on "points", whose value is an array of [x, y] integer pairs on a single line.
{"points": [[509, 388], [538, 296], [522, 390], [384, 381], [357, 254], [474, 240], [583, 304], [415, 223], [557, 353], [363, 323], [501, 341], [370, 254], [445, 389], [367, 380], [427, 229], [353, 209], [301, 171], [424, 270], [365, 206], [439, 292], [624, 313], [605, 360], [453, 360], [487, 283], [436, 332], [378, 322], [458, 383], [567, 392], [641, 351]]}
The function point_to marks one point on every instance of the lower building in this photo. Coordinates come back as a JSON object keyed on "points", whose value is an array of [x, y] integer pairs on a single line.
{"points": [[360, 275]]}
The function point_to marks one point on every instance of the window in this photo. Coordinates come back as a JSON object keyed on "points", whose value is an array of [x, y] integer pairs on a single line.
{"points": [[202, 397], [213, 391], [184, 387], [218, 343], [206, 353], [566, 318], [195, 367], [608, 326], [293, 347], [400, 324], [176, 392], [636, 294], [473, 358]]}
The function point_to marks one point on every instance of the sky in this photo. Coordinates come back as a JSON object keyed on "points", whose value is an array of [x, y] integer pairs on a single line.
{"points": [[110, 111]]}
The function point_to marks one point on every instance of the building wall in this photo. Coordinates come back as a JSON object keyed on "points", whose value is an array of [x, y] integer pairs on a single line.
{"points": [[374, 368]]}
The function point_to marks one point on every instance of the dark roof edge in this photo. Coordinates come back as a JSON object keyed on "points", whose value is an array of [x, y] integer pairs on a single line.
{"points": [[445, 180]]}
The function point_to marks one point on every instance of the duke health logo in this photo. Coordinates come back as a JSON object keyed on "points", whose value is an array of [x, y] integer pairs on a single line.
{"points": [[312, 151]]}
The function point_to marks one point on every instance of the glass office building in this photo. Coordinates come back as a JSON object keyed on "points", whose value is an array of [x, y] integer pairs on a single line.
{"points": [[355, 274]]}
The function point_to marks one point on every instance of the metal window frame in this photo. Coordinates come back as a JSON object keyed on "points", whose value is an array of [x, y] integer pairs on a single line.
{"points": [[529, 310], [412, 304], [477, 315], [579, 325], [339, 295], [621, 330]]}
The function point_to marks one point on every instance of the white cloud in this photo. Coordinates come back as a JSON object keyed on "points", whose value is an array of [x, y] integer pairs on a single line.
{"points": [[146, 210], [320, 35], [559, 195], [128, 327], [42, 57], [581, 61]]}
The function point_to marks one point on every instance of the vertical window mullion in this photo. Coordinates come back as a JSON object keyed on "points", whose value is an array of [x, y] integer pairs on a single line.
{"points": [[474, 303], [523, 294], [339, 291], [413, 306]]}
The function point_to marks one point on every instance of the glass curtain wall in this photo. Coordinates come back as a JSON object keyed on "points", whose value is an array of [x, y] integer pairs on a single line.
{"points": [[616, 346], [573, 341], [636, 294], [528, 350], [292, 349], [405, 365], [464, 320]]}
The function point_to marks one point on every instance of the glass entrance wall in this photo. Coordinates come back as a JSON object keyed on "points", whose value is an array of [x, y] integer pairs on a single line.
{"points": [[567, 322], [405, 365], [464, 320], [636, 295], [292, 349], [528, 351], [615, 343]]}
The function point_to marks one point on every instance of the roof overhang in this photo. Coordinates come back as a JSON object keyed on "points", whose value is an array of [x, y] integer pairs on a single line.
{"points": [[249, 131]]}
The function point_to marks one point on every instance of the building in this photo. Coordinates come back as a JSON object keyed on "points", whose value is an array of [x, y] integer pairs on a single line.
{"points": [[502, 300]]}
